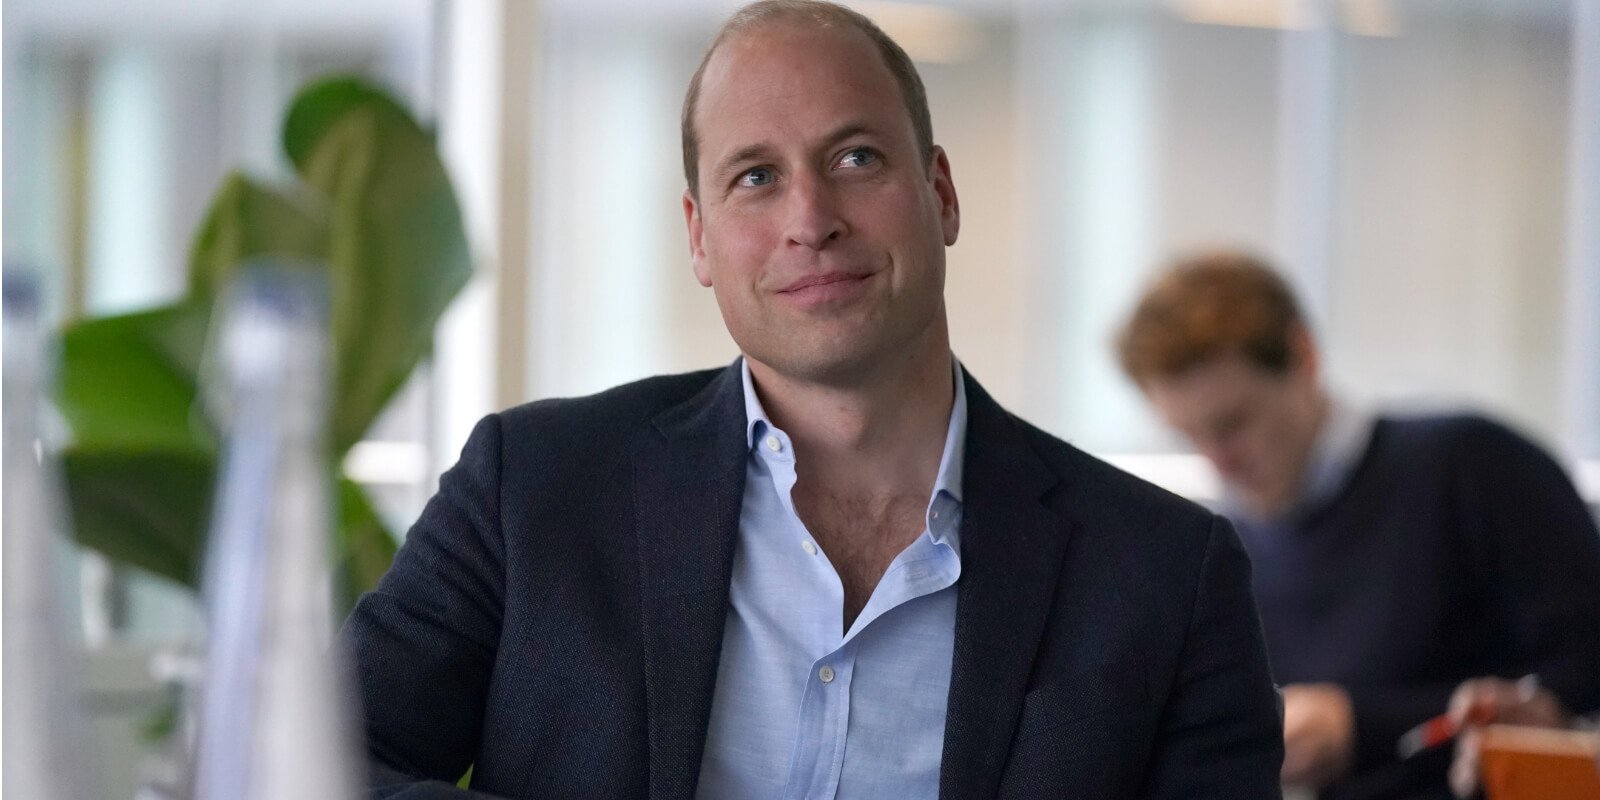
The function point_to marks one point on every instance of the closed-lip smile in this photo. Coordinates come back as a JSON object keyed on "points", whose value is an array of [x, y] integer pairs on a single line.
{"points": [[822, 279]]}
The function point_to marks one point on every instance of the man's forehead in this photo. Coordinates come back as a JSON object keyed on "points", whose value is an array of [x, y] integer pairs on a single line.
{"points": [[786, 47], [780, 61], [766, 34], [1228, 377]]}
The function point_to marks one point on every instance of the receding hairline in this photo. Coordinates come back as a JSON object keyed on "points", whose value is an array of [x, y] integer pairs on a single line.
{"points": [[812, 15]]}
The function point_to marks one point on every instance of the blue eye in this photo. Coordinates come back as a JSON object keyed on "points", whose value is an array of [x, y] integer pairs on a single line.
{"points": [[760, 176], [859, 157]]}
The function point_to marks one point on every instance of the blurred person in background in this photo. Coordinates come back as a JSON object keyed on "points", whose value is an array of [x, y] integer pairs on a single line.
{"points": [[1393, 557], [835, 568]]}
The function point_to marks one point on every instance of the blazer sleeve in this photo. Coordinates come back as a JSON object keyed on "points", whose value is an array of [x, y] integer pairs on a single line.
{"points": [[1222, 730], [423, 643]]}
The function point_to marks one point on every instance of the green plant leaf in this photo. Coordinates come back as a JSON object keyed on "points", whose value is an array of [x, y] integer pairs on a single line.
{"points": [[152, 509], [377, 211], [248, 221], [398, 251], [365, 545], [129, 381], [320, 107], [148, 508]]}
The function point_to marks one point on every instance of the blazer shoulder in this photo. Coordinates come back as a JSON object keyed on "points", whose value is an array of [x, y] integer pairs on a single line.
{"points": [[600, 417], [1095, 492], [586, 438]]}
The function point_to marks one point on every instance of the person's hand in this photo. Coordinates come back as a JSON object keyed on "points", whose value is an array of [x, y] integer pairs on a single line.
{"points": [[1480, 701], [1319, 728]]}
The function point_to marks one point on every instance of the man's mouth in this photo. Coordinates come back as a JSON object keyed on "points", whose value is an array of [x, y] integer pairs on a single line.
{"points": [[822, 279]]}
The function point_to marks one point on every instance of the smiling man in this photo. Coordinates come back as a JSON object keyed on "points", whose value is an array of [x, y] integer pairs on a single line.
{"points": [[834, 569]]}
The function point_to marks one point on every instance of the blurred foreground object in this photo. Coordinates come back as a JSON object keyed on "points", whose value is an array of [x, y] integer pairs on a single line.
{"points": [[45, 754], [374, 210], [1532, 738], [271, 721], [1522, 763]]}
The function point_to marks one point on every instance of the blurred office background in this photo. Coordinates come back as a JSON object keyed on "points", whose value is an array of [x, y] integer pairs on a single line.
{"points": [[1427, 172]]}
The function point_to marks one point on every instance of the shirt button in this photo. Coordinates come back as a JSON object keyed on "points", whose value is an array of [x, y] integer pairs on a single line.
{"points": [[826, 674], [935, 515], [810, 548], [773, 444]]}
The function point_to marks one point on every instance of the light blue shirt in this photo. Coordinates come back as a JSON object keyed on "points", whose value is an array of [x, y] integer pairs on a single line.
{"points": [[801, 710]]}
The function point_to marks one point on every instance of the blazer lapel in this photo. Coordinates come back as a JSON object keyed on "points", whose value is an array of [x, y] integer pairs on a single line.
{"points": [[1011, 553], [688, 475]]}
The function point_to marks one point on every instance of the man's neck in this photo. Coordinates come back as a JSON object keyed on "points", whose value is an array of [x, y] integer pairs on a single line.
{"points": [[880, 436]]}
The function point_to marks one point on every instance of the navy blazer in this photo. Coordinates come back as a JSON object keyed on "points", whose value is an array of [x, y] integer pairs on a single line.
{"points": [[555, 617]]}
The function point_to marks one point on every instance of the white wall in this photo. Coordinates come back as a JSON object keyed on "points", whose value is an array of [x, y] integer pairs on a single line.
{"points": [[1451, 218], [1088, 142]]}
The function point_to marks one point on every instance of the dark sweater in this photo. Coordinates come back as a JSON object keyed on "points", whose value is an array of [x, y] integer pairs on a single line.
{"points": [[1456, 549]]}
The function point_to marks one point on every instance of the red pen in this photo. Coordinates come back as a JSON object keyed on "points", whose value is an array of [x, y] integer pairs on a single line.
{"points": [[1437, 731], [1443, 728]]}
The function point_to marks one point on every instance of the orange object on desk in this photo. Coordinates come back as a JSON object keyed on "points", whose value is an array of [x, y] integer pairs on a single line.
{"points": [[1521, 763]]}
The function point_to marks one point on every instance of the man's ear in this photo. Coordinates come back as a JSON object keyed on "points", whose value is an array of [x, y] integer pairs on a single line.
{"points": [[945, 188], [691, 218]]}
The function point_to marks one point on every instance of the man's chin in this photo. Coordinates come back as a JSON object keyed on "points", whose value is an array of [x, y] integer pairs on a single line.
{"points": [[838, 364], [841, 353]]}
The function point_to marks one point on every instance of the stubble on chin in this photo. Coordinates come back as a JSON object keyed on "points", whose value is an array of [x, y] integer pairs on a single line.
{"points": [[843, 356]]}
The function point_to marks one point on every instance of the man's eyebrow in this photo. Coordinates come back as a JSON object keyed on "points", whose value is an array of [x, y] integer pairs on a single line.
{"points": [[750, 152], [848, 130], [757, 152]]}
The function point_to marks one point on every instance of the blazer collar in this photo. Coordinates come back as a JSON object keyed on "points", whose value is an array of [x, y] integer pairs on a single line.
{"points": [[688, 478], [1012, 547]]}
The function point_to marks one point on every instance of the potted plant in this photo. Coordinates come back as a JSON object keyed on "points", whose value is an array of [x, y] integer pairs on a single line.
{"points": [[372, 205]]}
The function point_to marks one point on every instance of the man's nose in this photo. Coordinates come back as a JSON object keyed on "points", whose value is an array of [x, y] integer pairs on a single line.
{"points": [[813, 212]]}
